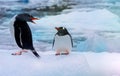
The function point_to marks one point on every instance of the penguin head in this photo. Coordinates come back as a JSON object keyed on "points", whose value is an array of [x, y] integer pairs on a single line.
{"points": [[26, 17], [61, 31]]}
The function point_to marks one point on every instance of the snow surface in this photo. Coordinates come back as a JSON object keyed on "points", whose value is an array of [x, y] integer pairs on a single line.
{"points": [[27, 64], [75, 64], [104, 64]]}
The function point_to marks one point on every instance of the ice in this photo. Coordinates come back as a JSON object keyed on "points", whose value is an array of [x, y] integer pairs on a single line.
{"points": [[104, 20], [97, 27]]}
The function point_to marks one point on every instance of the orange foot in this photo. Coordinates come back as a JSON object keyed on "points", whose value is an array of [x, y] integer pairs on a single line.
{"points": [[64, 53], [24, 51], [17, 53], [20, 52], [57, 54]]}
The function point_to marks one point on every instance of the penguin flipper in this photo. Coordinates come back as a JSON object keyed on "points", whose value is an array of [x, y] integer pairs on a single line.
{"points": [[18, 37], [35, 53], [71, 40], [53, 41]]}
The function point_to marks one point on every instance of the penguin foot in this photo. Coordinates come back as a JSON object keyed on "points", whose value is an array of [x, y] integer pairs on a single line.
{"points": [[57, 54], [17, 53], [64, 53], [24, 51]]}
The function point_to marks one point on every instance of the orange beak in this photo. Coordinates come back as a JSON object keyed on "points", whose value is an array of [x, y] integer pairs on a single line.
{"points": [[34, 19], [57, 28]]}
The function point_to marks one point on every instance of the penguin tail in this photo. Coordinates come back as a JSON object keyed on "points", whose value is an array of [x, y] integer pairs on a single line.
{"points": [[35, 53]]}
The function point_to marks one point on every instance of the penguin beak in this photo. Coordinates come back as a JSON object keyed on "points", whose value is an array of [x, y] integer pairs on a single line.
{"points": [[57, 28], [32, 19]]}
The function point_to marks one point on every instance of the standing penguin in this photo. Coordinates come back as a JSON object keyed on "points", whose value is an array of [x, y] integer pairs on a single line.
{"points": [[22, 33], [62, 42]]}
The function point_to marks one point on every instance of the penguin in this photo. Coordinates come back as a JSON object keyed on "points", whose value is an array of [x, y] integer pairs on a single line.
{"points": [[62, 42], [22, 33]]}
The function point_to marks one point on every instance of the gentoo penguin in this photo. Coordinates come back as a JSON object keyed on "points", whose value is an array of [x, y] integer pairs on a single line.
{"points": [[22, 33], [62, 42]]}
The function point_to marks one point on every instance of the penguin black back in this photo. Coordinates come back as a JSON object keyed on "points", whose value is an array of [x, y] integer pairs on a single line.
{"points": [[62, 31], [23, 35]]}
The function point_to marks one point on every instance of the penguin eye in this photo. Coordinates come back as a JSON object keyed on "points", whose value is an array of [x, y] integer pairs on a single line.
{"points": [[63, 28]]}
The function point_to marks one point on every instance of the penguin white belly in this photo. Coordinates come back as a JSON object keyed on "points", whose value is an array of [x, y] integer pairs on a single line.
{"points": [[63, 43]]}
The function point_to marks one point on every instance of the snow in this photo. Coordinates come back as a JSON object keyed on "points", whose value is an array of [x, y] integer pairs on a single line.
{"points": [[104, 64], [48, 65], [75, 64]]}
